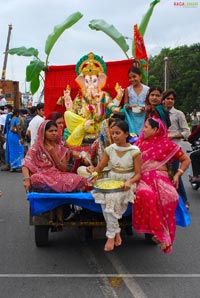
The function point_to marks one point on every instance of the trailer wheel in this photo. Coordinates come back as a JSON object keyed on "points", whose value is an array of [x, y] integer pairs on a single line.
{"points": [[195, 186], [41, 235]]}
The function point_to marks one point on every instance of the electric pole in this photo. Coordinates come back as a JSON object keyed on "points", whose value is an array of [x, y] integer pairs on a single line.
{"points": [[3, 76], [166, 77]]}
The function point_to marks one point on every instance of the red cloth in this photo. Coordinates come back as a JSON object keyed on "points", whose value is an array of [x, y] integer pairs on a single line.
{"points": [[44, 172], [58, 77], [140, 50], [156, 197]]}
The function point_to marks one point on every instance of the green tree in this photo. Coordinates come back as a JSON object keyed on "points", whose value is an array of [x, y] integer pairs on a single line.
{"points": [[183, 74]]}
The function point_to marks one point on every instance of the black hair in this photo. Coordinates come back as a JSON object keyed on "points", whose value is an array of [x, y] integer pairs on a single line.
{"points": [[153, 123], [151, 89], [115, 117], [168, 92], [54, 116], [49, 124], [33, 110], [23, 111], [123, 125], [15, 112], [8, 106], [40, 106], [135, 70], [119, 115]]}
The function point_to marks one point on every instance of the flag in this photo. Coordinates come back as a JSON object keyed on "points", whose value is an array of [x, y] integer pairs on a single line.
{"points": [[140, 50]]}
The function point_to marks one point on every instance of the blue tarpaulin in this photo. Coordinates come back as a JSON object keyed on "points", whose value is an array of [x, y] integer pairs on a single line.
{"points": [[43, 202]]}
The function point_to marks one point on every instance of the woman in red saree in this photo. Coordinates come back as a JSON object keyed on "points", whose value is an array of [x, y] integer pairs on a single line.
{"points": [[45, 164], [156, 195]]}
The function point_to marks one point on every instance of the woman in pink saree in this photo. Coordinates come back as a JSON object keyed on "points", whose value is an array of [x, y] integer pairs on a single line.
{"points": [[44, 166], [156, 195]]}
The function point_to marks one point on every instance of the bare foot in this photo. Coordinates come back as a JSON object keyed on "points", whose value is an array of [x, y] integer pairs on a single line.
{"points": [[109, 244], [154, 239], [163, 246], [118, 239]]}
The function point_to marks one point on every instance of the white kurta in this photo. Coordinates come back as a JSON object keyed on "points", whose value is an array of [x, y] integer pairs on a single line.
{"points": [[122, 167]]}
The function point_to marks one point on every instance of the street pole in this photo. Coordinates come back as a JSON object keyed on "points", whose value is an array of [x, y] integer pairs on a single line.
{"points": [[165, 73], [3, 76]]}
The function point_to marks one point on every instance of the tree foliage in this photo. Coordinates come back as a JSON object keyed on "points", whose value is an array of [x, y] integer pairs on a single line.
{"points": [[183, 74]]}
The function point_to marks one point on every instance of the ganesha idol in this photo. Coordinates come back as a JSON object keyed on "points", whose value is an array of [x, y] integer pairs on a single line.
{"points": [[83, 115]]}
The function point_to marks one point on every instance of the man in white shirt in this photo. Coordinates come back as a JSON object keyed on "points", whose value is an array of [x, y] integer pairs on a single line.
{"points": [[35, 123], [2, 120], [178, 130], [3, 101]]}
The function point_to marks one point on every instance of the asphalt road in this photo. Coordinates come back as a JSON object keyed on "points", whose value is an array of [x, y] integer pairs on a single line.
{"points": [[71, 266]]}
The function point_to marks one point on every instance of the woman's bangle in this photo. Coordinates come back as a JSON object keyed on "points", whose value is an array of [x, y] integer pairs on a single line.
{"points": [[26, 178], [181, 171]]}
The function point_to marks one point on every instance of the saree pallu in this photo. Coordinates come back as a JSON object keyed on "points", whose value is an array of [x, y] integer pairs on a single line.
{"points": [[135, 120], [155, 205]]}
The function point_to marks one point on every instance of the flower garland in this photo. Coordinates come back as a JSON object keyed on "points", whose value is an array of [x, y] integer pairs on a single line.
{"points": [[92, 103]]}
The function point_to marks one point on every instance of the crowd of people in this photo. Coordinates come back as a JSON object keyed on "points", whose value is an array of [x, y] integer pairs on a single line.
{"points": [[151, 167]]}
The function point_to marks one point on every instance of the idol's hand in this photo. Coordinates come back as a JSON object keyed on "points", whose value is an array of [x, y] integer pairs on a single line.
{"points": [[116, 110], [87, 124], [120, 91]]}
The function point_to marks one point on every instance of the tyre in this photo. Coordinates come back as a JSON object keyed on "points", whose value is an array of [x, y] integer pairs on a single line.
{"points": [[195, 186], [41, 235]]}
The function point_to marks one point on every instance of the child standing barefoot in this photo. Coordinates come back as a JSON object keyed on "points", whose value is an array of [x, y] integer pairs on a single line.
{"points": [[125, 163], [134, 101]]}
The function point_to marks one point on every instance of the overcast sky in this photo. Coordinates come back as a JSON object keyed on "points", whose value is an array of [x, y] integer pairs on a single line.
{"points": [[33, 20]]}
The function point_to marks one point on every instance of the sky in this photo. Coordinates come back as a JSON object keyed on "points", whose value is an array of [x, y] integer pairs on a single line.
{"points": [[171, 25]]}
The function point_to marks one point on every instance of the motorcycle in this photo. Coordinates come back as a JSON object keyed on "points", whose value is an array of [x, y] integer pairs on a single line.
{"points": [[195, 146]]}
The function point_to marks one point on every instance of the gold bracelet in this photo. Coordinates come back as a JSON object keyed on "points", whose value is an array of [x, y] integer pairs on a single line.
{"points": [[181, 171]]}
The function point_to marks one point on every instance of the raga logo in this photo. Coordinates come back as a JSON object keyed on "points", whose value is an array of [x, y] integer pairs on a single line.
{"points": [[186, 4]]}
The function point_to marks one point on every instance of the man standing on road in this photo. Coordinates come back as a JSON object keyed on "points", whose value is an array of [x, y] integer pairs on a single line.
{"points": [[3, 101], [29, 117], [178, 130], [35, 123]]}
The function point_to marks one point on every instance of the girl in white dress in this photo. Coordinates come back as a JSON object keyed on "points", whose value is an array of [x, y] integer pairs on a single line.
{"points": [[125, 164]]}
